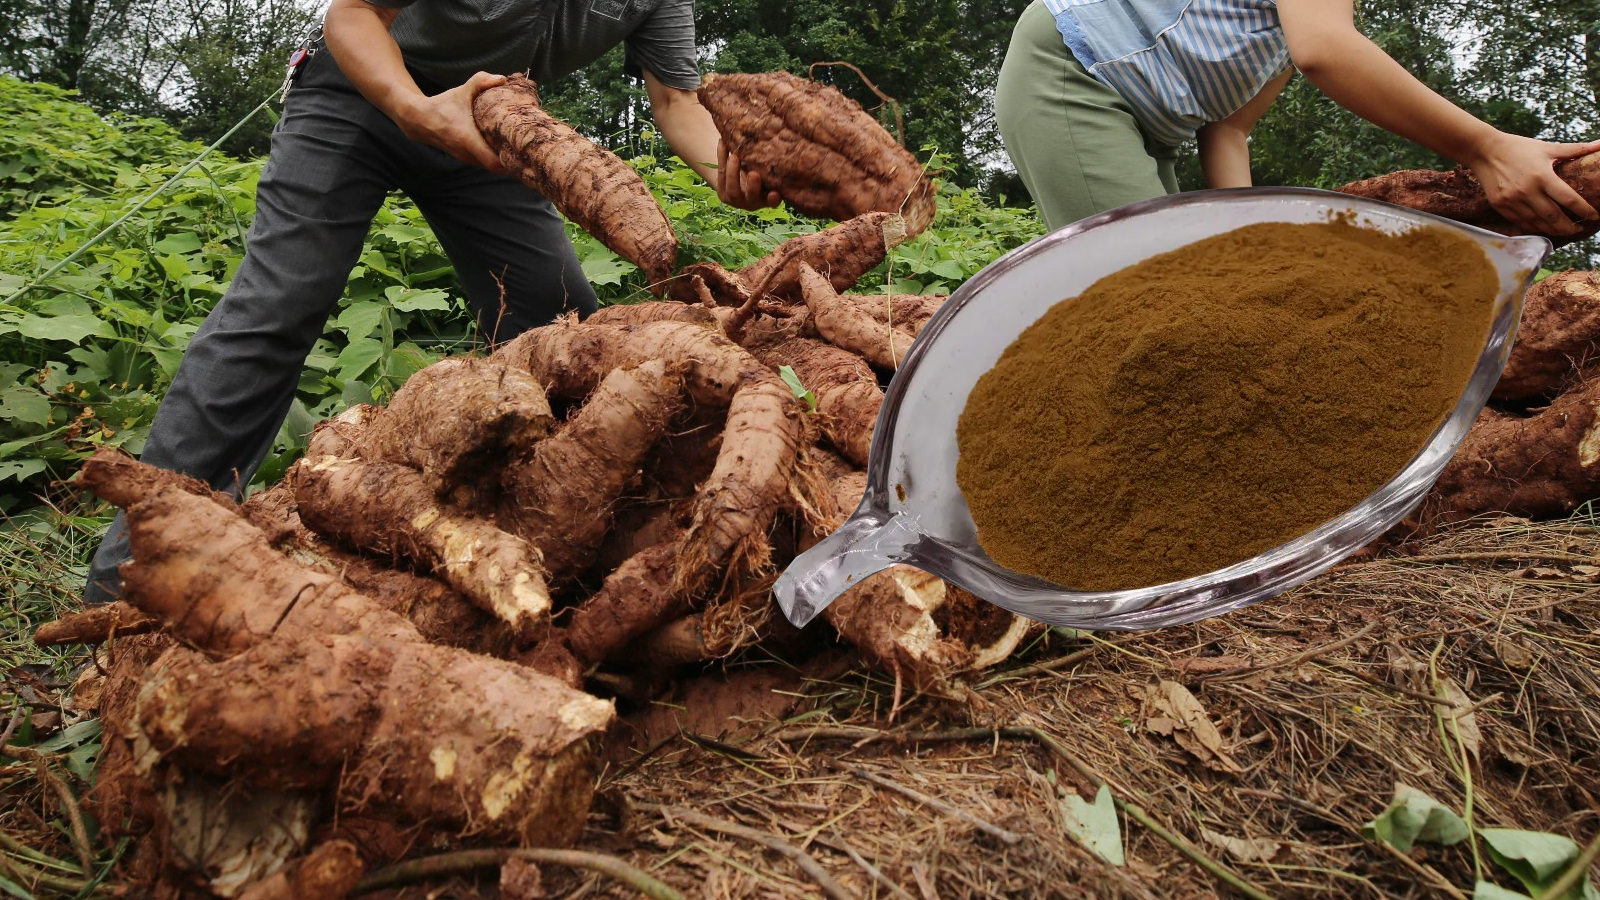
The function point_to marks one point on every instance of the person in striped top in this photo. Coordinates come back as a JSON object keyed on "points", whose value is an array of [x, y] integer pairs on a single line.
{"points": [[1095, 97]]}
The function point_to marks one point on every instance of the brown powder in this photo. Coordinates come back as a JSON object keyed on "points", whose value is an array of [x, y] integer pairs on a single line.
{"points": [[1211, 403]]}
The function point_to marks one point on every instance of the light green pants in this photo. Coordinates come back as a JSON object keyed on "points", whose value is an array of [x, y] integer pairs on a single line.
{"points": [[1073, 140]]}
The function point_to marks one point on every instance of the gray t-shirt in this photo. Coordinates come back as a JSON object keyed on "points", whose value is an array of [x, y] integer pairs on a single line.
{"points": [[446, 41]]}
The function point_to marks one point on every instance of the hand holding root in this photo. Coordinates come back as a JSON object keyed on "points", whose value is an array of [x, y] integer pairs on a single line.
{"points": [[445, 121], [1519, 179]]}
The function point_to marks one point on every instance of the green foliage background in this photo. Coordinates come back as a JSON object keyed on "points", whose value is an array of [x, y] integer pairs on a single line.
{"points": [[87, 354]]}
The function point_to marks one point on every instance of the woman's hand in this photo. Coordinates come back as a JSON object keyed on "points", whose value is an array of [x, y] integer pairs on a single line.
{"points": [[740, 187], [445, 121], [1518, 176]]}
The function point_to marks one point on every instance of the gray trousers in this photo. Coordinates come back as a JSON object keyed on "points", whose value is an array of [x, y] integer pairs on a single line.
{"points": [[333, 160]]}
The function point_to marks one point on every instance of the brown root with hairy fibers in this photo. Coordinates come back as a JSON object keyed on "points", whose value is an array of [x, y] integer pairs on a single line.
{"points": [[340, 435], [433, 733], [843, 253], [1556, 339], [1546, 464], [654, 311], [908, 312], [819, 150], [96, 625], [846, 325], [560, 498], [590, 185], [847, 394], [216, 582], [391, 511], [456, 418], [1456, 194]]}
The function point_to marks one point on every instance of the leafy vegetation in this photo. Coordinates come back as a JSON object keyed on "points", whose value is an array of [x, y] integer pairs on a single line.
{"points": [[89, 350]]}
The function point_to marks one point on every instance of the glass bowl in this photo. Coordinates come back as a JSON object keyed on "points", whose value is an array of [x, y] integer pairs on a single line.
{"points": [[913, 512]]}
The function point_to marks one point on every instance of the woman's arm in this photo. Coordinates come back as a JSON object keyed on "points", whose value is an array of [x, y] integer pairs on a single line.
{"points": [[357, 34], [1225, 145], [693, 137], [1517, 173]]}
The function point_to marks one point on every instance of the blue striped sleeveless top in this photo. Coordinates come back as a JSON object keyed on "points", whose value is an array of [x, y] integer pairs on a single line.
{"points": [[1178, 63]]}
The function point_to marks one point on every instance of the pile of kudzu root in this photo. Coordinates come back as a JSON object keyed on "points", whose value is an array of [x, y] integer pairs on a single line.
{"points": [[405, 645]]}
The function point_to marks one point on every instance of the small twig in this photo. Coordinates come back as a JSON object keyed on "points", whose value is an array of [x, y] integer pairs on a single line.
{"points": [[1303, 656], [1575, 873], [1469, 710], [899, 121], [1380, 683], [837, 842], [741, 316], [771, 841], [461, 862], [1004, 835], [11, 728]]}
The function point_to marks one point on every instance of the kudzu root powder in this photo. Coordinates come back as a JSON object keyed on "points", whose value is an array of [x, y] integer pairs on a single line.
{"points": [[1208, 404]]}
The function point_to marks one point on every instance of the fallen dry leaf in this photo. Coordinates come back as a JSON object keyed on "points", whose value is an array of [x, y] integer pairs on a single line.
{"points": [[1466, 723], [1242, 849], [1171, 709]]}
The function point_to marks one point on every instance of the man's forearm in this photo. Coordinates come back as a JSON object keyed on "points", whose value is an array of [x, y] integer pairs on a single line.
{"points": [[690, 133], [357, 34]]}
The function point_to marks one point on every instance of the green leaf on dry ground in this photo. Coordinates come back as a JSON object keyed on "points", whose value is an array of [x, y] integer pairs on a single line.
{"points": [[1094, 824], [1414, 816], [1536, 858]]}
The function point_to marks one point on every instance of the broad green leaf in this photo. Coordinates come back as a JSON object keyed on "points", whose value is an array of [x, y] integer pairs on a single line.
{"points": [[359, 320], [1536, 858], [950, 269], [410, 299], [21, 469], [24, 404], [1488, 890], [1094, 824], [96, 359], [178, 242], [176, 267], [358, 356], [9, 283], [1414, 816], [297, 424], [73, 328], [605, 268], [799, 390], [71, 736]]}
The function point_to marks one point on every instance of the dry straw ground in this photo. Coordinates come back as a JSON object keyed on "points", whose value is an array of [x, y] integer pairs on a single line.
{"points": [[1468, 667]]}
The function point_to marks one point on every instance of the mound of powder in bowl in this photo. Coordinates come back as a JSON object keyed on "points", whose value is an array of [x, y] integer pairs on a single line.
{"points": [[1208, 404]]}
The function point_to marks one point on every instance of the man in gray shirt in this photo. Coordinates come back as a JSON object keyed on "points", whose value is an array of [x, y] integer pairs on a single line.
{"points": [[386, 105]]}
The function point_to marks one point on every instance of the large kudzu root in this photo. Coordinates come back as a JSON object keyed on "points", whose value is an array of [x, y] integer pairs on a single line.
{"points": [[761, 440], [437, 734], [339, 435], [817, 148], [590, 185], [1458, 195], [560, 498], [457, 416], [654, 311], [846, 325], [391, 510], [843, 253], [1556, 338], [908, 312], [1546, 464], [643, 593], [847, 394]]}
